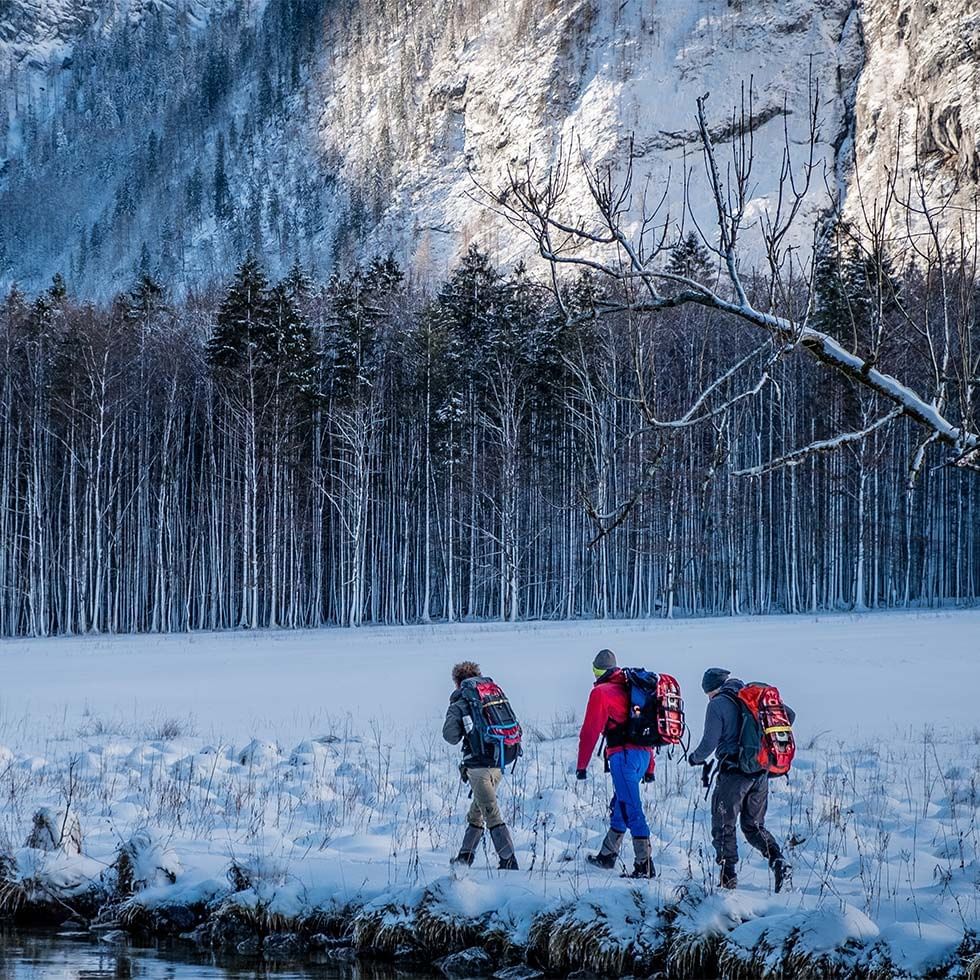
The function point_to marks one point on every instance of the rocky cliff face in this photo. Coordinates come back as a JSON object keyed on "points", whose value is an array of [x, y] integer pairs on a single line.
{"points": [[381, 137], [32, 32], [487, 91], [918, 99]]}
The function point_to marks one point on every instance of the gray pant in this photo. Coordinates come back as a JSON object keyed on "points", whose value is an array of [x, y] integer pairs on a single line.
{"points": [[484, 810], [745, 799]]}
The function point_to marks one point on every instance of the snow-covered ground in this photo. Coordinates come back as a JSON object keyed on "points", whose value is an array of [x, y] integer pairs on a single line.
{"points": [[313, 762]]}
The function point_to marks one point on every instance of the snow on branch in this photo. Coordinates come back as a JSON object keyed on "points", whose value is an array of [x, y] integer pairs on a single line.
{"points": [[637, 279], [819, 446]]}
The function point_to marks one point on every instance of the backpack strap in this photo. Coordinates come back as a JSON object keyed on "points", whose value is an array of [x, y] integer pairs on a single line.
{"points": [[732, 761]]}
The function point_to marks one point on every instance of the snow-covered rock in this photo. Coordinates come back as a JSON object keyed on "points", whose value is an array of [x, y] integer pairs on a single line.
{"points": [[258, 753], [473, 962]]}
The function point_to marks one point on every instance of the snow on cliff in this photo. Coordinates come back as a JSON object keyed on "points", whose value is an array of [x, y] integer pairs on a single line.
{"points": [[409, 106], [483, 92]]}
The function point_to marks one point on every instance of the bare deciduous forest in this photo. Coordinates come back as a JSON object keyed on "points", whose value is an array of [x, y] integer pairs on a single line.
{"points": [[367, 451]]}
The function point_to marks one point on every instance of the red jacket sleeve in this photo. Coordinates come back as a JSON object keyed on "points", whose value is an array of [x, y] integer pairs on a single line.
{"points": [[596, 717]]}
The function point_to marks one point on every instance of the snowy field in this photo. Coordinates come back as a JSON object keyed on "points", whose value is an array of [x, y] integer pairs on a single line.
{"points": [[312, 762]]}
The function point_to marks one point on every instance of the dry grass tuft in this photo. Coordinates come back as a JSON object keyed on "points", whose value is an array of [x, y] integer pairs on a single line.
{"points": [[336, 923], [539, 936], [693, 954], [440, 931], [576, 942], [381, 931]]}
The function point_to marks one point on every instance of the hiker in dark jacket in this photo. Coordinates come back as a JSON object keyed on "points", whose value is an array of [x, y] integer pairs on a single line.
{"points": [[606, 714], [738, 795], [481, 769]]}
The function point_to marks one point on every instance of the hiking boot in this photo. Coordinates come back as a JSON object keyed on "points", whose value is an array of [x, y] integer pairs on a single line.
{"points": [[467, 850], [729, 876], [606, 858], [642, 859], [504, 845], [644, 870], [601, 860], [782, 872]]}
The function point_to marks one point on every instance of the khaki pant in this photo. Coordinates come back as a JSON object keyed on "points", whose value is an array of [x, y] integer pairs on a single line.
{"points": [[484, 810]]}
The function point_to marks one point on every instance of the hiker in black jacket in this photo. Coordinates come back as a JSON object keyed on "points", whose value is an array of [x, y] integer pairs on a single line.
{"points": [[482, 771], [738, 795]]}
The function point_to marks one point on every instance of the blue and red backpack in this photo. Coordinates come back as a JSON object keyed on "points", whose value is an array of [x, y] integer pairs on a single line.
{"points": [[496, 731]]}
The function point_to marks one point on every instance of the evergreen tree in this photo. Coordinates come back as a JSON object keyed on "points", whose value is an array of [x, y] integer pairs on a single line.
{"points": [[288, 346], [241, 333], [58, 290], [222, 194], [360, 304], [689, 258], [470, 302], [298, 284], [144, 300]]}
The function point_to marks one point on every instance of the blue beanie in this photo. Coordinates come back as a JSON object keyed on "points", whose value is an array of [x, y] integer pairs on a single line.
{"points": [[713, 678]]}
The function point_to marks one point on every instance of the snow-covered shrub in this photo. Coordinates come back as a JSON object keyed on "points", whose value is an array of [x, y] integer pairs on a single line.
{"points": [[54, 830], [143, 862]]}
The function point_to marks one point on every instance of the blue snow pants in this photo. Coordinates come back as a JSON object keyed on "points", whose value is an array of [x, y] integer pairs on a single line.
{"points": [[626, 809]]}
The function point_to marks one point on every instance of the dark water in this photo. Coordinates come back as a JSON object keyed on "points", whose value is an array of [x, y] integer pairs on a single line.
{"points": [[29, 956]]}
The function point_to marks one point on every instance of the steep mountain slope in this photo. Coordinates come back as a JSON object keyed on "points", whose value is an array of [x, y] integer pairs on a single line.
{"points": [[178, 133], [501, 81], [170, 137]]}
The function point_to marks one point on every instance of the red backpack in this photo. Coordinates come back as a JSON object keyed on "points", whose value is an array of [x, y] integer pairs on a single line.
{"points": [[656, 710], [766, 742]]}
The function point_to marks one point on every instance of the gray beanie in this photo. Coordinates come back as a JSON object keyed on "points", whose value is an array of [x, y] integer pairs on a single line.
{"points": [[604, 660], [713, 678]]}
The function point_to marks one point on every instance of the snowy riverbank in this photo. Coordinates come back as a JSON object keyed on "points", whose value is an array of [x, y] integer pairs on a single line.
{"points": [[273, 793]]}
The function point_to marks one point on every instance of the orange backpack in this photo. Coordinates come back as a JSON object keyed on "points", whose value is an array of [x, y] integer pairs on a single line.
{"points": [[766, 742]]}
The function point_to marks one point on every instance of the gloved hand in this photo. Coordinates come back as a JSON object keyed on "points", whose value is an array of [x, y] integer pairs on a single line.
{"points": [[691, 762], [580, 774], [648, 777]]}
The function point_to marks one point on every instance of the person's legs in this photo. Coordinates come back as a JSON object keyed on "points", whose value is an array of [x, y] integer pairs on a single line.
{"points": [[755, 803], [726, 805], [474, 816], [475, 821], [611, 842], [753, 821], [627, 769], [471, 841], [484, 783], [606, 858]]}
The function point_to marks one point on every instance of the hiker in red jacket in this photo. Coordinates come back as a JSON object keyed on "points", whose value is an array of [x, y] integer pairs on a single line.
{"points": [[606, 714]]}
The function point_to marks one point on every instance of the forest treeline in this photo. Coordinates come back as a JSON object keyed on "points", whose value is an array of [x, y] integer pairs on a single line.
{"points": [[372, 450]]}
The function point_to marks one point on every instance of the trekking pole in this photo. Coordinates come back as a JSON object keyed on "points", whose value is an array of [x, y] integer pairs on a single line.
{"points": [[707, 774]]}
